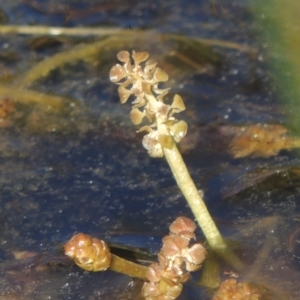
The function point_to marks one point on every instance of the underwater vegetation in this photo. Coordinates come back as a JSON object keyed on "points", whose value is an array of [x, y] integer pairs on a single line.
{"points": [[72, 161]]}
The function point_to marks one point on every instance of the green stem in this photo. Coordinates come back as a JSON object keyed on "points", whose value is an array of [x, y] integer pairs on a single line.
{"points": [[31, 97], [83, 51], [191, 193], [194, 198], [187, 186], [210, 272], [198, 207], [126, 267]]}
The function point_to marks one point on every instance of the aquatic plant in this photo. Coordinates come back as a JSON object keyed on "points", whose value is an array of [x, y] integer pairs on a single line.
{"points": [[259, 140], [92, 254], [231, 289], [164, 130], [177, 258]]}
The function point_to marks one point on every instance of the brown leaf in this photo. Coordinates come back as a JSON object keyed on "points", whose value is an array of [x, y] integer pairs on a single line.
{"points": [[260, 140]]}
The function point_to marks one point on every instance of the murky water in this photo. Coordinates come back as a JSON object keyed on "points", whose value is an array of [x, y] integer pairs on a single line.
{"points": [[79, 166]]}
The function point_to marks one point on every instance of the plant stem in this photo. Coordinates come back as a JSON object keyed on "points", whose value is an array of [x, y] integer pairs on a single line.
{"points": [[31, 97], [193, 198], [199, 209], [126, 267], [192, 195], [57, 31], [188, 188]]}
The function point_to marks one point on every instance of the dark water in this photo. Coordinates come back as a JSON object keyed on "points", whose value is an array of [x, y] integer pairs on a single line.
{"points": [[83, 169]]}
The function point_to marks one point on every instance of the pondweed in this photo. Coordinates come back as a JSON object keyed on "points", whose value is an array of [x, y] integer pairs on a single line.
{"points": [[177, 258], [164, 130]]}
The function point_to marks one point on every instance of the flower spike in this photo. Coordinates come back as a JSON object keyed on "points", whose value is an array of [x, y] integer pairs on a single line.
{"points": [[142, 82]]}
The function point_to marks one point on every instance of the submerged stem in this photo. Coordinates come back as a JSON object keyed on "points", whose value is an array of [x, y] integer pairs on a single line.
{"points": [[127, 267], [26, 96]]}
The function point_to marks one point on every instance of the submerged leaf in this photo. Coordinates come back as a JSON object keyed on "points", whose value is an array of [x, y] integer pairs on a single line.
{"points": [[258, 140], [231, 289]]}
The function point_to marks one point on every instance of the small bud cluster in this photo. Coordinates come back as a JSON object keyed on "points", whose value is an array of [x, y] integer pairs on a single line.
{"points": [[142, 82], [88, 253], [176, 259], [231, 289]]}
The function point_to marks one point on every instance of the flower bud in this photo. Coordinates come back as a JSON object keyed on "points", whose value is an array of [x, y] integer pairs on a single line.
{"points": [[88, 253]]}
